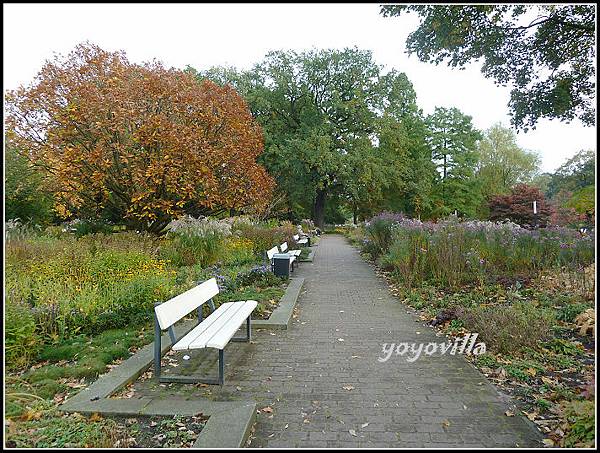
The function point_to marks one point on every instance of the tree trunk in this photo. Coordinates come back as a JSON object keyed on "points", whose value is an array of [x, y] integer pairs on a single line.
{"points": [[319, 211], [354, 214]]}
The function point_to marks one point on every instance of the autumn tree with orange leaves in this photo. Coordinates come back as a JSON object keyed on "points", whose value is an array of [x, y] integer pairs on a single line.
{"points": [[137, 143]]}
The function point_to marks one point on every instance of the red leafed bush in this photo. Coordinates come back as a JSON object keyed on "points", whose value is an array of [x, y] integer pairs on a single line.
{"points": [[518, 207]]}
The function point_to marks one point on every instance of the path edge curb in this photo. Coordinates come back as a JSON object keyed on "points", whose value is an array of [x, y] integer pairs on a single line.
{"points": [[282, 315]]}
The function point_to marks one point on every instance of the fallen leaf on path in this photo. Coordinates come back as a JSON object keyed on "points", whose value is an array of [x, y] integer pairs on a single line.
{"points": [[352, 432]]}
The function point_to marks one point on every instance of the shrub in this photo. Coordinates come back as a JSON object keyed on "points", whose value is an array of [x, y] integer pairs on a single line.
{"points": [[379, 232], [259, 276], [518, 206], [84, 227], [185, 250], [195, 241], [15, 230], [570, 311], [264, 237], [238, 251], [581, 417], [509, 328], [407, 256], [21, 341], [356, 235], [202, 226]]}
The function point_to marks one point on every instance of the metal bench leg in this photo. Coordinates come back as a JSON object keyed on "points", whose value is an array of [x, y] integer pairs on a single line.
{"points": [[247, 338], [221, 367], [157, 347]]}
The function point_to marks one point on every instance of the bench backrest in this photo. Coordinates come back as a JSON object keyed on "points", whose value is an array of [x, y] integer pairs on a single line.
{"points": [[171, 311], [272, 252], [283, 247]]}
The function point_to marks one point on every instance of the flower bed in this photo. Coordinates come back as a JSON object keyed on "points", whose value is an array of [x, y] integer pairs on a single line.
{"points": [[77, 304]]}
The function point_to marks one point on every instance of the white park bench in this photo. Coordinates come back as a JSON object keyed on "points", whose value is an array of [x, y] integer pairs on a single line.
{"points": [[216, 331], [301, 240], [284, 249], [271, 253]]}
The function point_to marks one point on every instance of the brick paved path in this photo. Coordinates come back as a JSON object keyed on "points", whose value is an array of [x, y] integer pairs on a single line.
{"points": [[437, 401]]}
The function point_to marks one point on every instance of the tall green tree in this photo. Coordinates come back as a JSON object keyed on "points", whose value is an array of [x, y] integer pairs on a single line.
{"points": [[502, 162], [452, 140], [407, 157], [576, 173], [546, 52], [322, 114], [572, 186]]}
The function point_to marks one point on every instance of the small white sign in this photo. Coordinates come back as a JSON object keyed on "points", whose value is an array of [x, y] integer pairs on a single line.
{"points": [[535, 207]]}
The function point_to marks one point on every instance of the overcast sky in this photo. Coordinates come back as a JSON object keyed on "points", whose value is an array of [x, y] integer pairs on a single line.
{"points": [[240, 35]]}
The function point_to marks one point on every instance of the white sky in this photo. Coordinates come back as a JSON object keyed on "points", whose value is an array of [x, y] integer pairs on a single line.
{"points": [[240, 35]]}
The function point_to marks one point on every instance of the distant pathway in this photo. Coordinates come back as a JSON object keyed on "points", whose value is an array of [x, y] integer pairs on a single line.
{"points": [[325, 392]]}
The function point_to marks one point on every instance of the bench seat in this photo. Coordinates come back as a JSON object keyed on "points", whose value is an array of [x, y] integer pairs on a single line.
{"points": [[301, 240], [294, 253], [218, 328]]}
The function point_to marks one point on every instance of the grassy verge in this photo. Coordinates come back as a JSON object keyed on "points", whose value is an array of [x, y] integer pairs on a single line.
{"points": [[61, 371]]}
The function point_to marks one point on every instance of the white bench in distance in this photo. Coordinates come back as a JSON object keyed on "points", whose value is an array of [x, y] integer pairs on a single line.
{"points": [[216, 331], [284, 249], [275, 251], [301, 240]]}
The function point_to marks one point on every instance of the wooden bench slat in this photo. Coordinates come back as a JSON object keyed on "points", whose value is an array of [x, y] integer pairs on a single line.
{"points": [[284, 249], [184, 342], [272, 252], [168, 313], [226, 320], [222, 337]]}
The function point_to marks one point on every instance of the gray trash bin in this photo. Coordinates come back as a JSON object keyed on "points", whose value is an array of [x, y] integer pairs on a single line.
{"points": [[281, 265]]}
